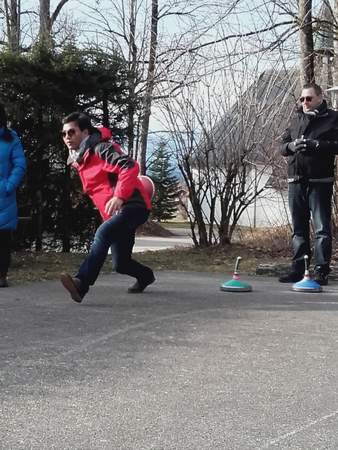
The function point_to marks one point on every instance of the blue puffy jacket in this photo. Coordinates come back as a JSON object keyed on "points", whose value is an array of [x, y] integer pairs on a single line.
{"points": [[12, 169]]}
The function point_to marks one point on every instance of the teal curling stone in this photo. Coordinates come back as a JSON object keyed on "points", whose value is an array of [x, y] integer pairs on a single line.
{"points": [[235, 285]]}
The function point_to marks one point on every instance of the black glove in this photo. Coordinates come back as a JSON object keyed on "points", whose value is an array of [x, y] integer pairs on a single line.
{"points": [[303, 145], [310, 145], [296, 146]]}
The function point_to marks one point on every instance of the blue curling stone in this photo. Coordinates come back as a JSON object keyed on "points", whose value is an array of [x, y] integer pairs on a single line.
{"points": [[307, 285]]}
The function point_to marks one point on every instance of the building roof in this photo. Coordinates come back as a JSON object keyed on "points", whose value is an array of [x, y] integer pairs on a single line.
{"points": [[323, 32], [256, 119]]}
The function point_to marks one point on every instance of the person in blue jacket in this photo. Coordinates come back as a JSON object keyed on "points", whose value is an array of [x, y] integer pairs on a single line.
{"points": [[12, 169]]}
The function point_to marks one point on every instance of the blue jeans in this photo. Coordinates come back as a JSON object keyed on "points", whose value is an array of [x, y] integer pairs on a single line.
{"points": [[306, 200], [118, 233]]}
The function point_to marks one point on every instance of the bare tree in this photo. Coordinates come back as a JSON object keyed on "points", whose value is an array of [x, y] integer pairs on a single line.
{"points": [[47, 20], [12, 9], [20, 24], [165, 44], [160, 66], [226, 144], [306, 41], [134, 28], [149, 88], [132, 75]]}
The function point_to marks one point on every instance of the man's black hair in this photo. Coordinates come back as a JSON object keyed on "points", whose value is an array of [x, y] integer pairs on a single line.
{"points": [[82, 120], [6, 135], [318, 90]]}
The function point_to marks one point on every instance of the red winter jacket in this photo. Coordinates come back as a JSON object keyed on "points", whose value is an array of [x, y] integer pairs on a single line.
{"points": [[106, 172]]}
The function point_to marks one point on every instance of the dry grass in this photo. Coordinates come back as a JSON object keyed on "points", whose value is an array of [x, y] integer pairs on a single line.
{"points": [[260, 247], [213, 259], [254, 246], [48, 266], [273, 241]]}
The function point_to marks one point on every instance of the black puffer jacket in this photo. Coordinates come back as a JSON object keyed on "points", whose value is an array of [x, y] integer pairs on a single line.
{"points": [[322, 125]]}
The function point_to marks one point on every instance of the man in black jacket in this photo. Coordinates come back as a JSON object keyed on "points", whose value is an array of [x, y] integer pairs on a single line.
{"points": [[310, 144]]}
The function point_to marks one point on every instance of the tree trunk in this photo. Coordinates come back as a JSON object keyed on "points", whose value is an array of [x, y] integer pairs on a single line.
{"points": [[39, 192], [47, 20], [198, 216], [12, 13], [67, 207], [105, 111], [149, 88], [306, 42], [45, 23], [132, 78]]}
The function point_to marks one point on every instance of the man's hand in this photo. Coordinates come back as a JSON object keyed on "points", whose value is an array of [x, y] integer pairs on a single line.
{"points": [[310, 145], [113, 205], [303, 145], [296, 145]]}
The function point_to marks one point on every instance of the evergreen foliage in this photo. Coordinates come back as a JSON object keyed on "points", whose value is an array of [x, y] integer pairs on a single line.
{"points": [[38, 90], [161, 171]]}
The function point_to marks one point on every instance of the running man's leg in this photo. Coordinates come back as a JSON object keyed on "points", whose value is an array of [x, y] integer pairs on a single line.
{"points": [[122, 249], [118, 231]]}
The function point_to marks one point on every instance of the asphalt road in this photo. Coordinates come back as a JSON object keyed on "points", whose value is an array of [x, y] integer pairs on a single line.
{"points": [[181, 366]]}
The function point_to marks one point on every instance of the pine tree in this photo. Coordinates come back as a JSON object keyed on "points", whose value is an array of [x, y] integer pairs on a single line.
{"points": [[39, 89], [164, 203]]}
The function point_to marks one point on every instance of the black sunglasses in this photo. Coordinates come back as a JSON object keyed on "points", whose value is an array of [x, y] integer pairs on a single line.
{"points": [[307, 98], [68, 133]]}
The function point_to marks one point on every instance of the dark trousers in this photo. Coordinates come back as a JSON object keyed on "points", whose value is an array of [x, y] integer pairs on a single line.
{"points": [[5, 251], [311, 200], [117, 233]]}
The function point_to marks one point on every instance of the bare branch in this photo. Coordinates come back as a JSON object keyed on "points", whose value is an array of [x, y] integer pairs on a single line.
{"points": [[57, 10]]}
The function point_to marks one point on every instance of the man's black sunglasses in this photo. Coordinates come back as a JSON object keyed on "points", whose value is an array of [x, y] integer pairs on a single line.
{"points": [[68, 133], [307, 98]]}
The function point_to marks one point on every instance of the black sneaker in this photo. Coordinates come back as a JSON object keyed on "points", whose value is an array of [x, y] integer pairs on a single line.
{"points": [[139, 286], [291, 277], [3, 282], [321, 278], [73, 286]]}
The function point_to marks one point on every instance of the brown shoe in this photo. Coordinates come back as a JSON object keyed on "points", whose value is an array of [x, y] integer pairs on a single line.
{"points": [[73, 286]]}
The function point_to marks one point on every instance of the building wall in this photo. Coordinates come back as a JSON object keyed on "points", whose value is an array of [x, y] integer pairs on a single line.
{"points": [[269, 209]]}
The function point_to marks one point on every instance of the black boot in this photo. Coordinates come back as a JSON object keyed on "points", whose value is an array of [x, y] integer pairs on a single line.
{"points": [[321, 278], [3, 281], [291, 277], [140, 286]]}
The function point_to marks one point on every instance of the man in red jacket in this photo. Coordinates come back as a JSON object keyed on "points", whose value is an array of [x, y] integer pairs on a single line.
{"points": [[110, 178]]}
